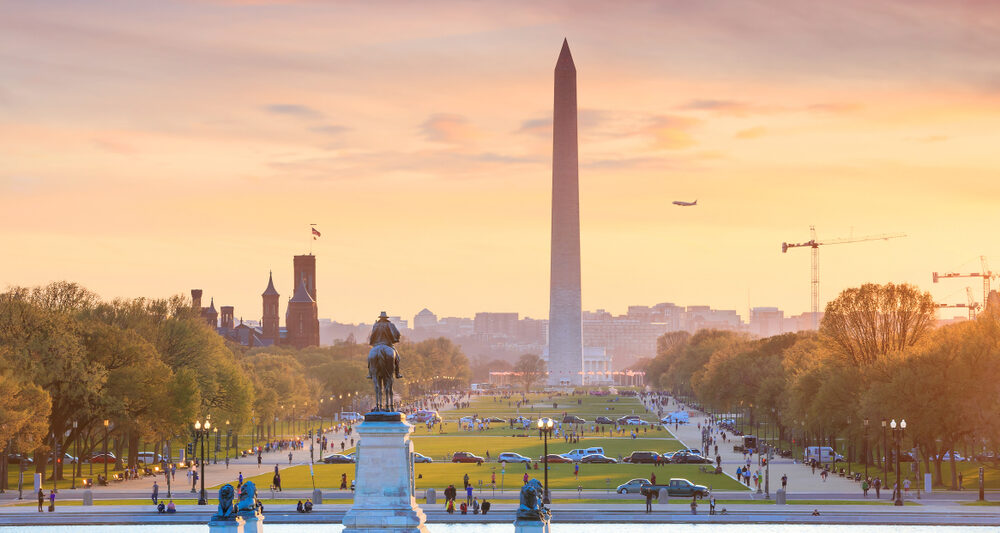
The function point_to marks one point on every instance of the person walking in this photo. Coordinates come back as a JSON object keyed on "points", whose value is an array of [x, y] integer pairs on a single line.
{"points": [[865, 487], [52, 501], [239, 482], [468, 494], [576, 471], [784, 481], [465, 480], [260, 459], [649, 500], [41, 500], [711, 504], [277, 481], [343, 481], [289, 457], [878, 487], [156, 493]]}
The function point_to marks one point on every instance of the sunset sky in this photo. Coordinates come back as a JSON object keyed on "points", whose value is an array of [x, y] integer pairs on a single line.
{"points": [[147, 148]]}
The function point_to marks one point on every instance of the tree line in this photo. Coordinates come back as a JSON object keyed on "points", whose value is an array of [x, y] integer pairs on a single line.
{"points": [[70, 361], [876, 356]]}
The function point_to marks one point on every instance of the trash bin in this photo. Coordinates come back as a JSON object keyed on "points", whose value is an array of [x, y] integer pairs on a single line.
{"points": [[88, 497], [779, 498], [317, 496], [664, 497], [431, 496]]}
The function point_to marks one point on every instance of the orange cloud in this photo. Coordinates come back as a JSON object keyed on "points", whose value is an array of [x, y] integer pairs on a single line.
{"points": [[447, 128], [751, 133], [670, 132]]}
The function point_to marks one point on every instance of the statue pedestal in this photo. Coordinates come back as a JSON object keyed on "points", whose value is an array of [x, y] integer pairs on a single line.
{"points": [[531, 526], [254, 523], [226, 526], [384, 495]]}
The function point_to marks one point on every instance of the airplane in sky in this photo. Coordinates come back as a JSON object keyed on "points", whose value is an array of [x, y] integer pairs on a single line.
{"points": [[685, 204]]}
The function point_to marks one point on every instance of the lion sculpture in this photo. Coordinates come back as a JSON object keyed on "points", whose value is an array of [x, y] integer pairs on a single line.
{"points": [[227, 495], [248, 498]]}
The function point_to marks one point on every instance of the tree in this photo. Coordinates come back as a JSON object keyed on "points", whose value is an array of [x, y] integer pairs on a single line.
{"points": [[530, 369], [864, 324]]}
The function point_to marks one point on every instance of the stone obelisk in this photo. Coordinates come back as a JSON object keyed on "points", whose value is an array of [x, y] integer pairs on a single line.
{"points": [[565, 330]]}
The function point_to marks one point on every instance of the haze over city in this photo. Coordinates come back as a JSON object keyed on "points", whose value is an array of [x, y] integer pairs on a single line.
{"points": [[150, 148]]}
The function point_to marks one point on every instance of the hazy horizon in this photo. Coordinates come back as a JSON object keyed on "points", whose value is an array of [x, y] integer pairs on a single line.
{"points": [[153, 148]]}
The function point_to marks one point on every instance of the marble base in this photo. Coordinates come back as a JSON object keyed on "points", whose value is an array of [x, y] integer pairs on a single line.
{"points": [[254, 523], [226, 526], [384, 494], [531, 526]]}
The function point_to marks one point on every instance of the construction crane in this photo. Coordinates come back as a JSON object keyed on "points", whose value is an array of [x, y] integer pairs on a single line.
{"points": [[814, 244], [985, 274], [973, 305]]}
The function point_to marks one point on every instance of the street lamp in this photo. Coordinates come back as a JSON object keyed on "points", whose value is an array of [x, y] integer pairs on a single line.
{"points": [[866, 448], [76, 449], [215, 449], [885, 453], [105, 457], [847, 446], [201, 431], [229, 438], [545, 426], [897, 435]]}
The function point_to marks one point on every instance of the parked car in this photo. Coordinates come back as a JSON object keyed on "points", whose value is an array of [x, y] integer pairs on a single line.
{"points": [[337, 459], [677, 488], [946, 456], [632, 486], [598, 458], [466, 457], [511, 457], [624, 420], [495, 420], [468, 420], [580, 453], [688, 457], [351, 416], [421, 458], [603, 420], [556, 458], [822, 454], [572, 419], [103, 458], [637, 422], [695, 451], [425, 415], [641, 457], [16, 458]]}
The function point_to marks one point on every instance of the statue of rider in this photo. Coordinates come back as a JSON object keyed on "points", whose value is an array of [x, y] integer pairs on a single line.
{"points": [[385, 333]]}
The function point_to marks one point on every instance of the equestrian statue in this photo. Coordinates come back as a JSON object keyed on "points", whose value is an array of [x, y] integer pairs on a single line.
{"points": [[383, 361]]}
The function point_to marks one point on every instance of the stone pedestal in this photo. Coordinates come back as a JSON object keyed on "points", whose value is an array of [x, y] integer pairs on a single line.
{"points": [[531, 526], [226, 526], [663, 497], [384, 495], [317, 497], [88, 497], [254, 523]]}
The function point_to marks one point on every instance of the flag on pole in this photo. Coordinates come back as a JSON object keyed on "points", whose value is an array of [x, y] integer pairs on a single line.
{"points": [[315, 233]]}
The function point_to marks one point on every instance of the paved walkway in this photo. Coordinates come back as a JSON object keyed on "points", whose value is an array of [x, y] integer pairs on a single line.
{"points": [[801, 480]]}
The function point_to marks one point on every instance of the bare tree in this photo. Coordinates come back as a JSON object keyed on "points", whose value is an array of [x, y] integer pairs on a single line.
{"points": [[866, 323], [530, 369]]}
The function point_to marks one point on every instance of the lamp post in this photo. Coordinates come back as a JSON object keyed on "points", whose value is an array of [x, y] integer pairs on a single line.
{"points": [[202, 430], [229, 438], [847, 446], [215, 448], [545, 426], [867, 454], [76, 449], [897, 434], [885, 454], [105, 456]]}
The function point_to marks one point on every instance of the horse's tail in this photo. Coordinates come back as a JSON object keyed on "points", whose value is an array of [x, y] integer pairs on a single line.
{"points": [[384, 361]]}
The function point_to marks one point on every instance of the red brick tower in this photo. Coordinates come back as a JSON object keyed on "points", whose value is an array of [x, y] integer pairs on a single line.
{"points": [[210, 315], [301, 318], [196, 299], [304, 267], [227, 313], [270, 318]]}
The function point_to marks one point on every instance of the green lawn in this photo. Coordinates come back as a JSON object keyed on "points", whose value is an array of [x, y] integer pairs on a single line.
{"points": [[440, 475], [532, 447]]}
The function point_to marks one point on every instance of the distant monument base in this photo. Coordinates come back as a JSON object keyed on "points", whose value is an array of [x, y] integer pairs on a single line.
{"points": [[227, 526], [254, 523], [384, 494], [531, 526]]}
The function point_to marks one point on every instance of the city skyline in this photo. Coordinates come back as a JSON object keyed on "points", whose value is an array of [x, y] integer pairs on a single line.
{"points": [[161, 166]]}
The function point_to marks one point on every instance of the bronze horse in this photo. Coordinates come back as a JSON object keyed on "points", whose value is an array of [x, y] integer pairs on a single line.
{"points": [[382, 359]]}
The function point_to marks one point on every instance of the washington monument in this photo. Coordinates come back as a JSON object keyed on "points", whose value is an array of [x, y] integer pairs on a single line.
{"points": [[565, 330]]}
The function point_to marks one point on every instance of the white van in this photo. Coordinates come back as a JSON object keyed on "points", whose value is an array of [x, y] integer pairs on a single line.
{"points": [[350, 416], [822, 454], [580, 453]]}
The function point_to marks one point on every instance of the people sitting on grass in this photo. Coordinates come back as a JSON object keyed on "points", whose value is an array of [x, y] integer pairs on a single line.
{"points": [[171, 508], [160, 508], [308, 505], [298, 507]]}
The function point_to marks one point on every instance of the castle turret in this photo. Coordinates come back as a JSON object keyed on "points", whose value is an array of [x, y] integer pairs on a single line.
{"points": [[210, 315], [270, 320], [227, 317], [196, 299], [301, 319]]}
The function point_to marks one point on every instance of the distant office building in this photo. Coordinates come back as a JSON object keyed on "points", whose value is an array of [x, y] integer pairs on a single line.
{"points": [[766, 321], [496, 324], [425, 319]]}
